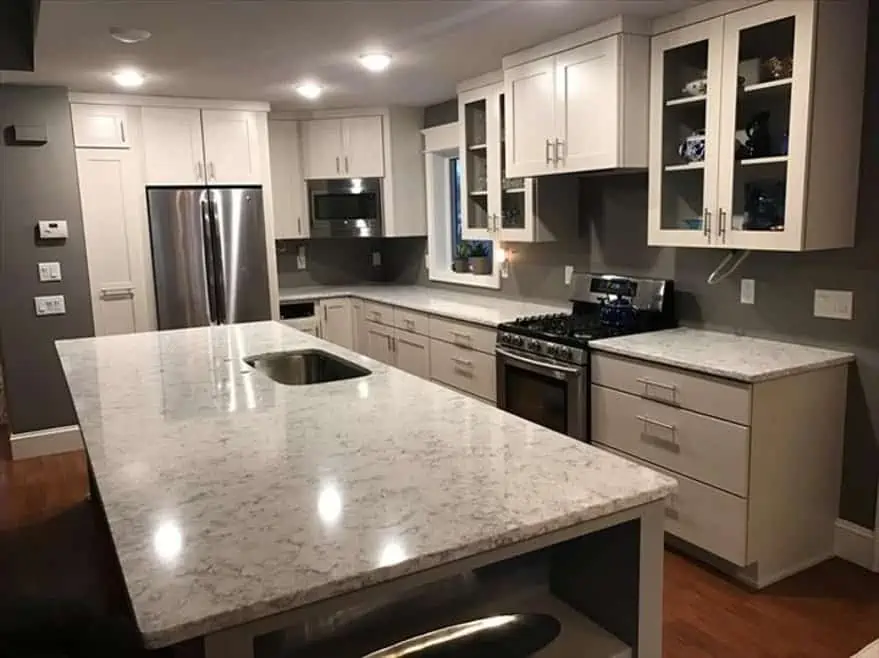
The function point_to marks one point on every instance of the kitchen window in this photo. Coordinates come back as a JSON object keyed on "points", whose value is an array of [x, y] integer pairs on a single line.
{"points": [[444, 220]]}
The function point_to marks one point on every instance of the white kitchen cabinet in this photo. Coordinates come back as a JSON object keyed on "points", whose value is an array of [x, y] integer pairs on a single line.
{"points": [[173, 146], [359, 319], [363, 147], [351, 147], [114, 221], [337, 321], [100, 126], [412, 353], [379, 342], [231, 147], [581, 108], [288, 191], [791, 186], [495, 206]]}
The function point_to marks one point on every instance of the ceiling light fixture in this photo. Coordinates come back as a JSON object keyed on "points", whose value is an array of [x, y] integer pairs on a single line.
{"points": [[129, 35], [128, 78], [375, 62], [309, 90]]}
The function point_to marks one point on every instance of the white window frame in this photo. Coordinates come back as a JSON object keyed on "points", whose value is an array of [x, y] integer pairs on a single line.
{"points": [[440, 147]]}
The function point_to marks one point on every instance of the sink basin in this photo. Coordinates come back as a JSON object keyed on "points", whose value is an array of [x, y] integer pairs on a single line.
{"points": [[303, 367]]}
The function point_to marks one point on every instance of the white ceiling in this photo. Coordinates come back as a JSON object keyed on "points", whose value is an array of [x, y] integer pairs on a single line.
{"points": [[256, 49]]}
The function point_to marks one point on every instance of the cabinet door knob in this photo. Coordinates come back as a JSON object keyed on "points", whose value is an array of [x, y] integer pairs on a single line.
{"points": [[721, 224], [198, 171], [346, 164], [706, 223], [122, 130], [548, 156], [212, 173], [559, 144], [338, 168]]}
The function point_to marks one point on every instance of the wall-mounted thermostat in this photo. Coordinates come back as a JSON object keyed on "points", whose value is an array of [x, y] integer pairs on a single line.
{"points": [[53, 229]]}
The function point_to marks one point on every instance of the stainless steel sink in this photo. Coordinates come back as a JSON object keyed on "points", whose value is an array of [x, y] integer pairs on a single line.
{"points": [[303, 367]]}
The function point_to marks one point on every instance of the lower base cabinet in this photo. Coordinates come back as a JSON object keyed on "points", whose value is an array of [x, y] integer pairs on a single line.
{"points": [[456, 354]]}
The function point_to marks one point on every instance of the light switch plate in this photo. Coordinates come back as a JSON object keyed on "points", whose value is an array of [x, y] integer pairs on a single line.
{"points": [[569, 274], [834, 304], [376, 258], [55, 229], [49, 271], [50, 305], [746, 295]]}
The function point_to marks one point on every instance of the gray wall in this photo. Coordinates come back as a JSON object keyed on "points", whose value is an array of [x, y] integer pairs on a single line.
{"points": [[329, 262], [38, 182]]}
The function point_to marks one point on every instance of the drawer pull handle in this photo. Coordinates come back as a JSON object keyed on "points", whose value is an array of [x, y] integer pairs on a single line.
{"points": [[409, 323], [649, 421], [650, 382], [463, 362], [409, 342]]}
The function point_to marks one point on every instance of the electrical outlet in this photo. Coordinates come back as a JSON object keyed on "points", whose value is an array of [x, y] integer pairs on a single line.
{"points": [[569, 274], [300, 258], [746, 295], [834, 304], [376, 258], [50, 305], [49, 271]]}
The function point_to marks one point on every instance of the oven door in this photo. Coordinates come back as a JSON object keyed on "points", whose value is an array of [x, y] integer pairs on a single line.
{"points": [[545, 392]]}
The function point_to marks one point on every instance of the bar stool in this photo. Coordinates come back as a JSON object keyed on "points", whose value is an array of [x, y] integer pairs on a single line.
{"points": [[501, 636]]}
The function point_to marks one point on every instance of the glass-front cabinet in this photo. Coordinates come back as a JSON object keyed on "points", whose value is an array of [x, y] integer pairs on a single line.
{"points": [[741, 118], [495, 206]]}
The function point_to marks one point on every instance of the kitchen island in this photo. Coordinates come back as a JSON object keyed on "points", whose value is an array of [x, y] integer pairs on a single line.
{"points": [[239, 507]]}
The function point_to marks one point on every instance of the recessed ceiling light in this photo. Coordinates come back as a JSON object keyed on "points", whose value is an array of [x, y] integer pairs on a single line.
{"points": [[128, 78], [375, 62], [129, 34], [309, 90]]}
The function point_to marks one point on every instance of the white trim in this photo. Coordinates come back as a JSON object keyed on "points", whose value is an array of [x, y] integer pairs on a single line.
{"points": [[441, 138], [167, 101], [699, 13], [51, 441], [485, 80], [854, 543]]}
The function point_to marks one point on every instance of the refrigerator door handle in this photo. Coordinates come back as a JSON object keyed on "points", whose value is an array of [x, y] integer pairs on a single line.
{"points": [[209, 261], [219, 269]]}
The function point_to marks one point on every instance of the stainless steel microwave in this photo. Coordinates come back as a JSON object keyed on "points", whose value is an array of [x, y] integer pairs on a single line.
{"points": [[345, 208]]}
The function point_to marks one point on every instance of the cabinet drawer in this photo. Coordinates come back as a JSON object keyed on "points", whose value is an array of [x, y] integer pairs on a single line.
{"points": [[411, 321], [706, 517], [706, 449], [463, 334], [464, 369], [707, 395], [379, 313]]}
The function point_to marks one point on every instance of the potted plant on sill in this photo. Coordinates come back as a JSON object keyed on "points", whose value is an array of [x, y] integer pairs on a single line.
{"points": [[480, 262], [461, 262]]}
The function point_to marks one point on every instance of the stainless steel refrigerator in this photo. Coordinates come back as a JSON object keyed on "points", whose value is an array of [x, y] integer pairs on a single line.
{"points": [[209, 255]]}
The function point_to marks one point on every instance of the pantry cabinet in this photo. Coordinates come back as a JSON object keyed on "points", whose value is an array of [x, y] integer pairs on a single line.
{"points": [[189, 146], [495, 206], [288, 188], [578, 109], [756, 128], [351, 147]]}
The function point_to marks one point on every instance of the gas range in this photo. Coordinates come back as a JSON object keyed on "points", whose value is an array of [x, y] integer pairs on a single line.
{"points": [[603, 306]]}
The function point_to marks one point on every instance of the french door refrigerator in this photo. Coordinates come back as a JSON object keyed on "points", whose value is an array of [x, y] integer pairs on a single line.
{"points": [[209, 255]]}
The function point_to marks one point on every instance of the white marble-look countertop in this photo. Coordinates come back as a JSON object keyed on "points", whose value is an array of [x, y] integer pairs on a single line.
{"points": [[230, 497], [469, 307], [726, 355]]}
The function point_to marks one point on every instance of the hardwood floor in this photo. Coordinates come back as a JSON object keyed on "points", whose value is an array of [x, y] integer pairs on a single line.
{"points": [[51, 540]]}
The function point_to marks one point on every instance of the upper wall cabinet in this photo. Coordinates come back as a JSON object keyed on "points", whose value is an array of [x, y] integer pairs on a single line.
{"points": [[756, 128], [494, 205], [351, 147], [100, 126], [188, 146], [173, 146], [288, 190], [578, 104]]}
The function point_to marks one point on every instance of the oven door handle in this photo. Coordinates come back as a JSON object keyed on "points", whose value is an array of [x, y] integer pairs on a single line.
{"points": [[544, 366]]}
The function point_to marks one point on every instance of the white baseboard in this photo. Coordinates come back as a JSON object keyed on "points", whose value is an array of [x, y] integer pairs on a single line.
{"points": [[40, 443], [854, 543]]}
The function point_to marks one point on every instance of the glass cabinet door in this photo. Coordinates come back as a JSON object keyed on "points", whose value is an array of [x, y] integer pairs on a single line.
{"points": [[767, 67], [685, 123], [474, 169], [514, 218]]}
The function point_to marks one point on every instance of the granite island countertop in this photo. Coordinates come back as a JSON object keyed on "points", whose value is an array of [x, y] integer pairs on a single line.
{"points": [[469, 307], [725, 355], [230, 497]]}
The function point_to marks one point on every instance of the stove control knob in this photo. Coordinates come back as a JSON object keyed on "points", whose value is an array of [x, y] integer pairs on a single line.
{"points": [[552, 349], [505, 338], [565, 352], [534, 345], [518, 341]]}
